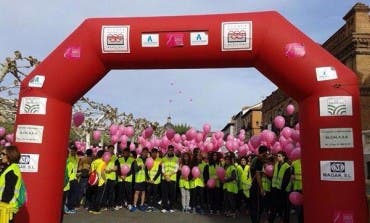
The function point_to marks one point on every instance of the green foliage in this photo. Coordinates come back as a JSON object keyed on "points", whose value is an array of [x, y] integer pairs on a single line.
{"points": [[9, 126], [181, 128]]}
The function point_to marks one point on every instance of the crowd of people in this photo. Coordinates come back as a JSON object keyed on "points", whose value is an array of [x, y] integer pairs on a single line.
{"points": [[192, 182]]}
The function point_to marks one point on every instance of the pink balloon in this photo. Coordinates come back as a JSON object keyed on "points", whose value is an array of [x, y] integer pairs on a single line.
{"points": [[295, 135], [148, 132], [2, 131], [220, 172], [78, 118], [290, 109], [177, 138], [170, 133], [9, 137], [276, 148], [114, 139], [199, 137], [286, 132], [209, 146], [149, 162], [229, 145], [195, 172], [132, 146], [268, 136], [124, 169], [295, 154], [185, 171], [107, 156], [279, 122], [7, 144], [130, 131], [211, 183], [2, 142], [113, 129], [269, 170], [296, 127], [288, 148], [206, 127], [191, 134], [123, 140], [296, 198], [255, 141], [96, 135]]}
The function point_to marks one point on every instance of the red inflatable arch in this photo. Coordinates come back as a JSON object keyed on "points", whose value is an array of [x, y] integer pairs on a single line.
{"points": [[326, 90]]}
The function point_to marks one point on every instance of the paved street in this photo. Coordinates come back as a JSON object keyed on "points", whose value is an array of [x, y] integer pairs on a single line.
{"points": [[124, 216]]}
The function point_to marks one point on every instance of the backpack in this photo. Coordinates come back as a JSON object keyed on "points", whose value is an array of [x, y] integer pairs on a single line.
{"points": [[93, 178], [22, 197]]}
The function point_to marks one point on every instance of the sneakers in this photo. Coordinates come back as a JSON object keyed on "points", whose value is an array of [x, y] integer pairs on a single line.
{"points": [[133, 209], [129, 206], [94, 212], [142, 208], [172, 211], [70, 211], [164, 211], [117, 207]]}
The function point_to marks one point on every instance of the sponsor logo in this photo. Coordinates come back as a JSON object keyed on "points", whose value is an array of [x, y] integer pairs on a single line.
{"points": [[336, 106], [25, 159], [115, 39], [37, 81], [150, 40], [33, 105], [29, 163], [175, 39], [326, 73], [198, 38], [237, 36], [336, 138], [337, 167], [29, 133], [72, 53]]}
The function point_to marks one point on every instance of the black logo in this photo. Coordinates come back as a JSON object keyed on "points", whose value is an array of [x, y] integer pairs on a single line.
{"points": [[25, 159], [337, 167]]}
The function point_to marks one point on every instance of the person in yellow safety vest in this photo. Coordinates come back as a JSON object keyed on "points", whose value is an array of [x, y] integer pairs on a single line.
{"points": [[279, 194], [111, 175], [267, 184], [99, 166], [244, 181], [10, 183], [170, 167], [153, 180], [214, 195], [74, 191], [230, 187], [184, 183], [296, 180], [197, 194], [126, 181], [140, 180]]}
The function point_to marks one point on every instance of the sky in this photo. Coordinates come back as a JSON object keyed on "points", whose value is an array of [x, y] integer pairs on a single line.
{"points": [[191, 97]]}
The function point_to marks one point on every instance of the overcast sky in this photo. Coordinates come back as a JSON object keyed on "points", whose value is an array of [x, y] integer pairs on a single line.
{"points": [[193, 97]]}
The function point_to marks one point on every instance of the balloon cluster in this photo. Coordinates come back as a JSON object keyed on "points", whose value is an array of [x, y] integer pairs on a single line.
{"points": [[6, 139]]}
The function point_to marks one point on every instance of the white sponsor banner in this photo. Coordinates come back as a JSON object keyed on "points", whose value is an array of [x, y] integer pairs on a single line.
{"points": [[337, 170], [37, 81], [199, 38], [236, 36], [335, 106], [115, 39], [336, 138], [29, 163], [29, 133], [150, 40], [326, 73], [33, 105]]}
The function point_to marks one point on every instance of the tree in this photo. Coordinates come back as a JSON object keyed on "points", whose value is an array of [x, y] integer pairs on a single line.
{"points": [[181, 128]]}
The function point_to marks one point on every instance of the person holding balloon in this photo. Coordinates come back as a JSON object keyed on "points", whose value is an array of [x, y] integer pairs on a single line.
{"points": [[230, 187], [126, 170], [184, 183], [296, 179], [197, 194], [140, 178], [153, 171], [280, 188], [110, 172], [98, 191], [214, 193], [244, 181]]}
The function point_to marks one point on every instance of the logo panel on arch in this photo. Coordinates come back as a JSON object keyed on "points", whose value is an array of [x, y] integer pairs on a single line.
{"points": [[115, 39]]}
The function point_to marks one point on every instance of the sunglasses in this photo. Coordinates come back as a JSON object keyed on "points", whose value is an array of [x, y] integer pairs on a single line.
{"points": [[3, 154]]}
